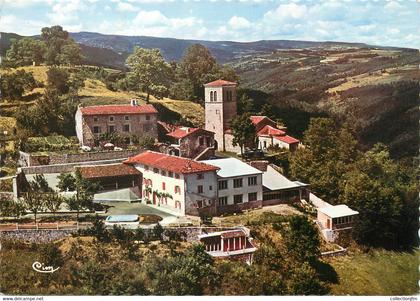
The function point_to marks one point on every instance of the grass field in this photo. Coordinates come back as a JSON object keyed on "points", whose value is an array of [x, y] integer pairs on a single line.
{"points": [[377, 273], [95, 92], [7, 124]]}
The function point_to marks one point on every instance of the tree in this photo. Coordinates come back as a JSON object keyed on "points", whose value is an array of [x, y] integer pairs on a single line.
{"points": [[196, 64], [34, 202], [84, 194], [55, 38], [329, 152], [245, 104], [147, 142], [13, 85], [301, 239], [40, 184], [57, 79], [158, 232], [385, 196], [66, 182], [149, 71], [10, 207], [70, 54], [243, 131], [25, 51], [53, 201]]}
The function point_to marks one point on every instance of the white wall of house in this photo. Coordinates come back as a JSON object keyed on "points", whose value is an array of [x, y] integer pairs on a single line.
{"points": [[208, 182], [79, 125], [245, 190], [186, 197], [265, 142]]}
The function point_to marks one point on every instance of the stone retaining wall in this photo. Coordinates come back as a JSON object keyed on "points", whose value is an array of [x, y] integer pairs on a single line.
{"points": [[36, 236], [28, 160]]}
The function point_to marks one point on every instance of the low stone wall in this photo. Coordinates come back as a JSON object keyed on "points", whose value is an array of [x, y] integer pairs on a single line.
{"points": [[28, 160], [69, 167], [36, 236]]}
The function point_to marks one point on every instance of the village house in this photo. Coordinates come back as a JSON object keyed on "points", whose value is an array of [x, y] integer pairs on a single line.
{"points": [[239, 185], [126, 120], [193, 143], [221, 108], [270, 134], [177, 184], [233, 244], [333, 219]]}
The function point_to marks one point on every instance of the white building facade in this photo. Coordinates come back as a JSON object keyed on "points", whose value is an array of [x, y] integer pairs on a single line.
{"points": [[239, 184], [179, 185]]}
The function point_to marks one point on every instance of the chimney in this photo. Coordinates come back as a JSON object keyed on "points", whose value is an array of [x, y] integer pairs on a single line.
{"points": [[134, 102], [260, 165]]}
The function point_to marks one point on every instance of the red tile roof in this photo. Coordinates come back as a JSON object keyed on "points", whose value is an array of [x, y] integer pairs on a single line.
{"points": [[268, 130], [182, 132], [219, 83], [170, 163], [109, 170], [233, 233], [287, 139], [257, 119], [118, 109], [167, 126]]}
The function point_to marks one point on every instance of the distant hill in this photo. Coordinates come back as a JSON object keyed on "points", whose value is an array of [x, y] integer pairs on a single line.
{"points": [[112, 50]]}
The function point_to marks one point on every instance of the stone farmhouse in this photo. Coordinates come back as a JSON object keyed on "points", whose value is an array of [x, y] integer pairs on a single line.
{"points": [[127, 120], [193, 143], [220, 110]]}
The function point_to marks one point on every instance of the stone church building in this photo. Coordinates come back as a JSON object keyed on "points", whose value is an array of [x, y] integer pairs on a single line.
{"points": [[221, 108]]}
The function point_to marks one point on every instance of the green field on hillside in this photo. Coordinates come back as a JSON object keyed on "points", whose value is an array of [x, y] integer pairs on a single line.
{"points": [[377, 273]]}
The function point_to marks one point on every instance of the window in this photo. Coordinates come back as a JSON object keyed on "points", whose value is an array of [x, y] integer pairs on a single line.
{"points": [[146, 167], [265, 144], [163, 173], [199, 203], [170, 174], [252, 196], [126, 128], [95, 119], [201, 141], [252, 181], [96, 129], [163, 186], [200, 176], [210, 187], [215, 96], [177, 189], [223, 185], [208, 141], [147, 117], [223, 200], [111, 129], [126, 118], [156, 170], [237, 198], [237, 183], [217, 112], [111, 118], [211, 96], [200, 188], [176, 176]]}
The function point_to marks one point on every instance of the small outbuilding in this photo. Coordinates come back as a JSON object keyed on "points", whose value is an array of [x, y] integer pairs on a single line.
{"points": [[336, 217]]}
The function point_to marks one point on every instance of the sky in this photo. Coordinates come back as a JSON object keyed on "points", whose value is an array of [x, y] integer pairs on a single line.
{"points": [[377, 22]]}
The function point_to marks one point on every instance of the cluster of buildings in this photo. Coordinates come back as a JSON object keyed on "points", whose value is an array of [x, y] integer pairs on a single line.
{"points": [[193, 143], [183, 175]]}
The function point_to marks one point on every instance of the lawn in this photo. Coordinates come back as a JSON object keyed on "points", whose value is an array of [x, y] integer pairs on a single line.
{"points": [[376, 273]]}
